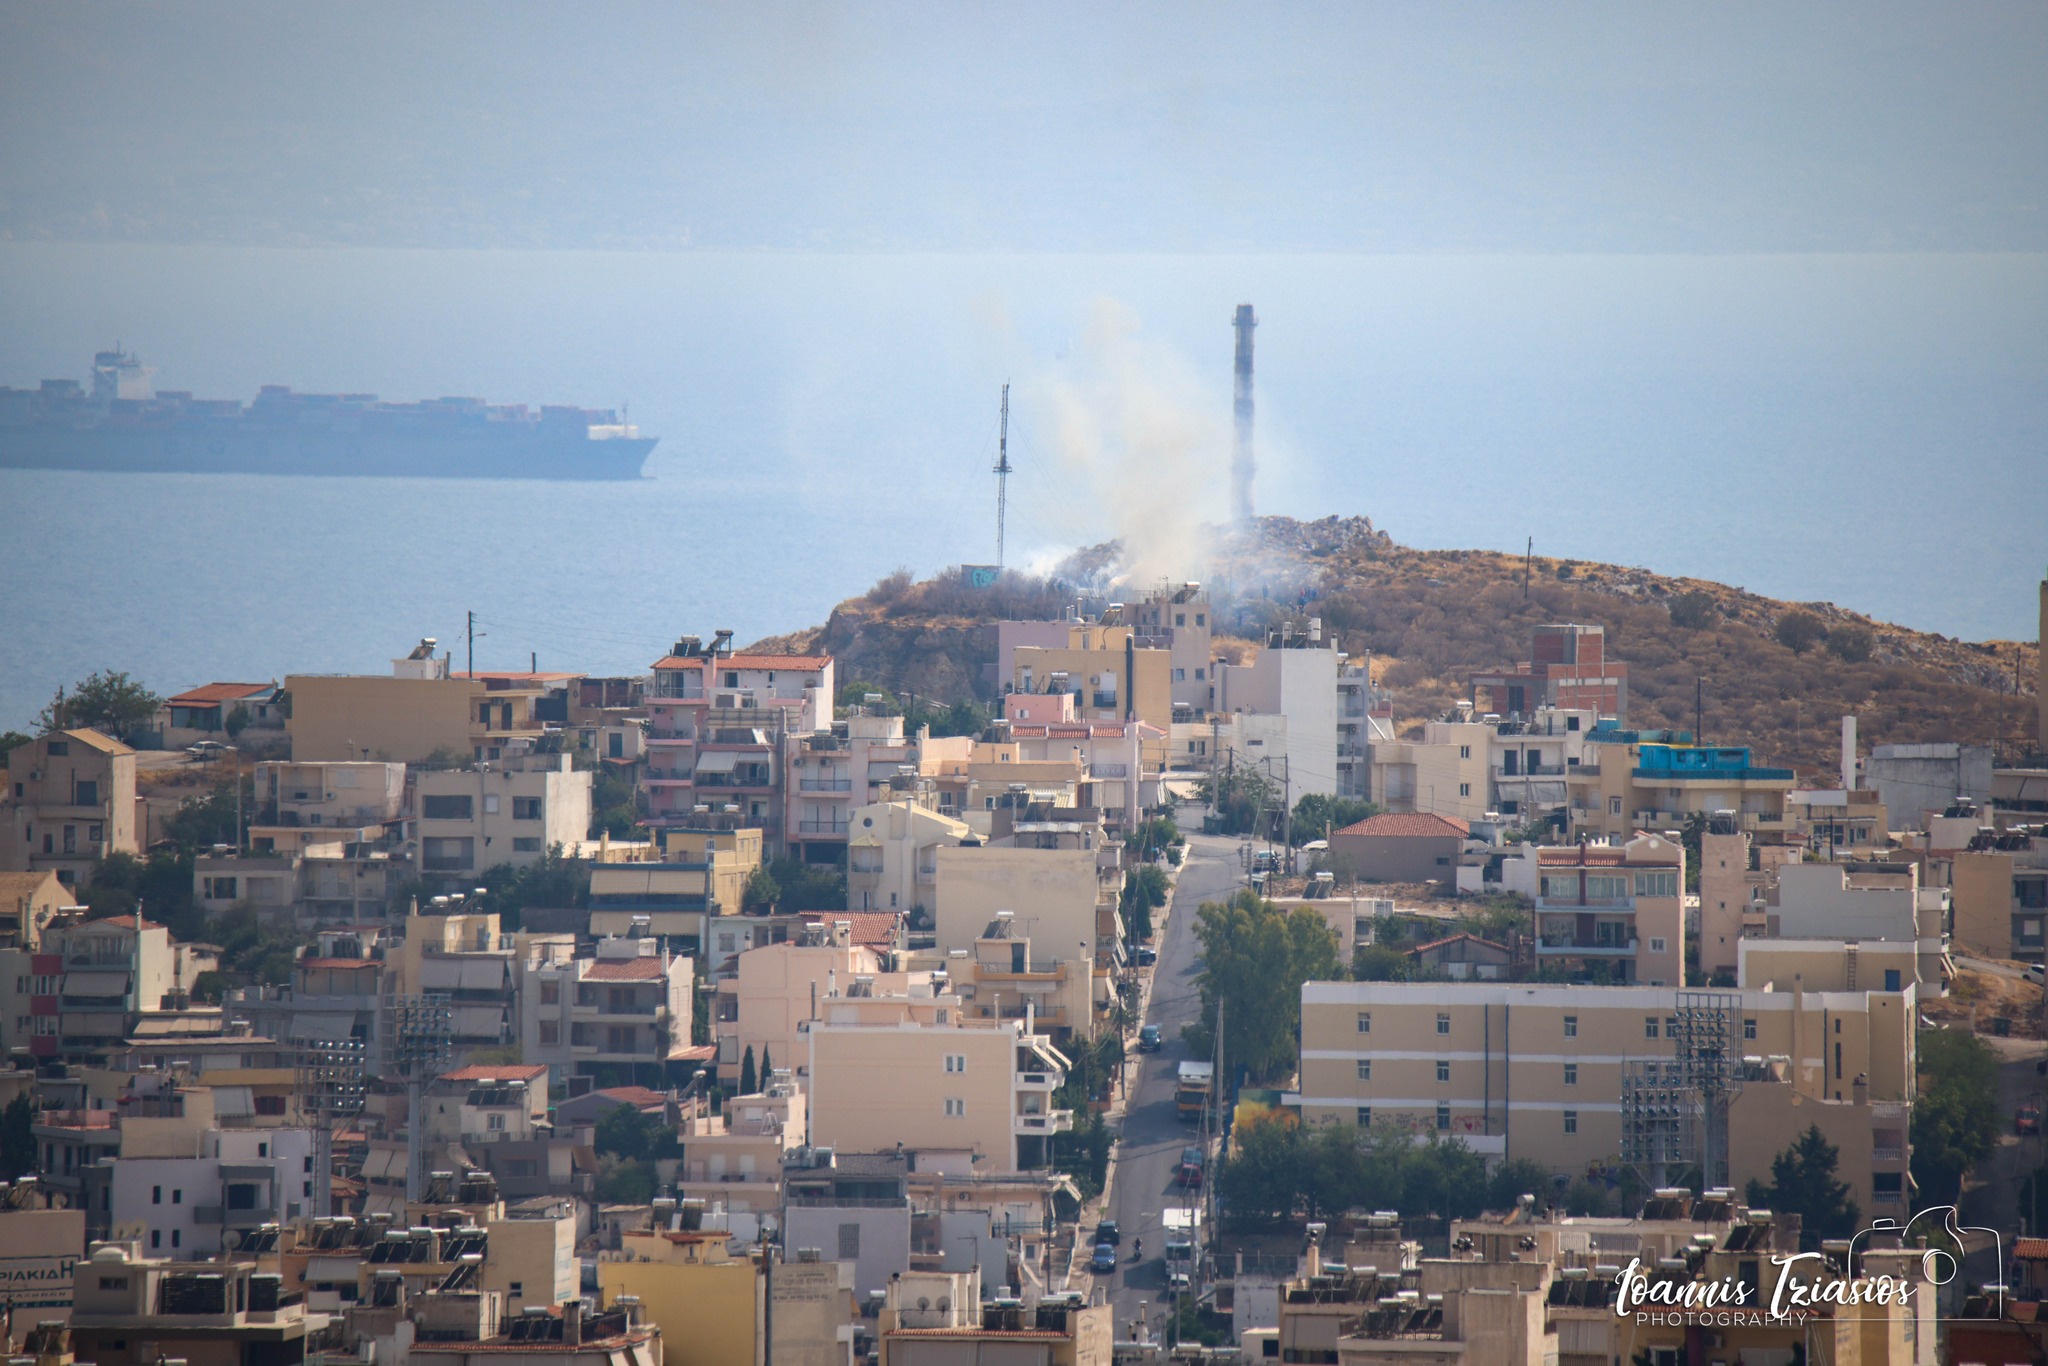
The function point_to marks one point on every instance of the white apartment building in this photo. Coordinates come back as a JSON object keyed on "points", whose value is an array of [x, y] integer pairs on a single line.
{"points": [[227, 1181], [512, 811], [1295, 677]]}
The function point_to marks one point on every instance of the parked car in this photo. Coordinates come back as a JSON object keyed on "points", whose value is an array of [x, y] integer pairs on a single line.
{"points": [[1108, 1232], [2035, 973], [1192, 1160], [206, 749], [2027, 1120], [1148, 1039], [1103, 1263], [1147, 956]]}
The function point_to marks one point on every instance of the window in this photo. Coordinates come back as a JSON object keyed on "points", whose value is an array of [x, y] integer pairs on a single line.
{"points": [[526, 809], [1649, 1026], [550, 1031], [1571, 1074], [446, 808], [1464, 790], [1571, 1026], [1199, 673], [1443, 1023], [1838, 1026], [1650, 1071], [526, 844], [1606, 886], [59, 748], [88, 794], [1614, 806], [1571, 1121], [516, 1288], [490, 803], [551, 992], [1443, 1118], [156, 1239], [956, 1107], [156, 1195], [956, 1062], [1464, 751], [1670, 1026], [1561, 886], [1660, 883], [943, 1015], [1365, 1116], [270, 1105], [95, 832], [1443, 1069], [177, 1196], [1656, 945], [849, 1242], [1365, 1069], [1365, 1022], [217, 888], [1891, 979], [494, 1122], [177, 1237], [113, 1282], [1749, 1028]]}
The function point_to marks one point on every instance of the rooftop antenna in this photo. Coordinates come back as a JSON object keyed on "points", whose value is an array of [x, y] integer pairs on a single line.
{"points": [[1002, 476]]}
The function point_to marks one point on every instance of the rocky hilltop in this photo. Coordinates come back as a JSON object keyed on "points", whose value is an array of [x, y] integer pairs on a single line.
{"points": [[1777, 675]]}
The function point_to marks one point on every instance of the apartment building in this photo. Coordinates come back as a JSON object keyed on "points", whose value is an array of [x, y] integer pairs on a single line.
{"points": [[861, 760], [1060, 1330], [1175, 618], [776, 989], [1003, 977], [718, 731], [69, 802], [95, 979], [1111, 677], [506, 813], [1546, 1072], [1117, 762], [1614, 911], [892, 854], [134, 1310], [1567, 668], [423, 710], [1052, 893], [984, 1090], [1999, 891], [698, 875], [29, 902], [1634, 780], [296, 804], [1917, 781], [194, 1192], [628, 1006], [735, 1158], [1294, 678]]}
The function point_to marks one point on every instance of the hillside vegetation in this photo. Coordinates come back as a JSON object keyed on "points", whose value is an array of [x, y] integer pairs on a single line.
{"points": [[1778, 675]]}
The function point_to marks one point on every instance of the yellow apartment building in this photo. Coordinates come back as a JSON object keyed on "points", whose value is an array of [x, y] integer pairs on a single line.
{"points": [[891, 854], [700, 873], [69, 802], [1051, 893], [407, 719], [1615, 909], [1629, 781], [979, 1090], [1537, 1071], [1999, 889], [1109, 675]]}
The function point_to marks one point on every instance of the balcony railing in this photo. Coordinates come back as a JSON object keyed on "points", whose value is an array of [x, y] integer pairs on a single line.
{"points": [[822, 827], [826, 785], [1569, 944], [1109, 770], [1103, 700]]}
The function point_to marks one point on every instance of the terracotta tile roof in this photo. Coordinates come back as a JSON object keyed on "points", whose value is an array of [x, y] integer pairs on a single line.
{"points": [[624, 970], [2030, 1249], [219, 692], [1591, 856], [1452, 939], [1396, 825], [19, 886], [638, 1096], [127, 922], [339, 964], [871, 929]]}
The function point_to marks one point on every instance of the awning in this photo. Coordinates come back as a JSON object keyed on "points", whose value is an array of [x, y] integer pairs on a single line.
{"points": [[95, 984], [717, 761]]}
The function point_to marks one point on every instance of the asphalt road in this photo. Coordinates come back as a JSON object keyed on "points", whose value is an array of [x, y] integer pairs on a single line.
{"points": [[1142, 1187]]}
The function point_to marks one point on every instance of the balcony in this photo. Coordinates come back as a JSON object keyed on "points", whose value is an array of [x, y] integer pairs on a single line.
{"points": [[757, 780], [825, 785], [1103, 701], [1575, 947], [822, 827], [1109, 770], [1046, 1123], [1038, 1081], [1503, 772]]}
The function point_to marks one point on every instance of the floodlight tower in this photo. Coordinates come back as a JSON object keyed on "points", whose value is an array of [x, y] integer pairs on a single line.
{"points": [[418, 1038]]}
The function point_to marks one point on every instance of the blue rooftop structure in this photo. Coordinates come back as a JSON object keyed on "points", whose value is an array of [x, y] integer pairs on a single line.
{"points": [[1673, 763]]}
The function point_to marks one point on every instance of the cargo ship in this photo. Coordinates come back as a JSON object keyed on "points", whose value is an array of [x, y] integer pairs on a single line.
{"points": [[122, 426]]}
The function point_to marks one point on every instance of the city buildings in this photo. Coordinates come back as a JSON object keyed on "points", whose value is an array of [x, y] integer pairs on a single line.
{"points": [[69, 802], [421, 712]]}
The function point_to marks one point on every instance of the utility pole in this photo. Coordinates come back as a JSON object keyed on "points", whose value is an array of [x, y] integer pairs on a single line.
{"points": [[470, 626], [1528, 560], [1002, 476], [1699, 708]]}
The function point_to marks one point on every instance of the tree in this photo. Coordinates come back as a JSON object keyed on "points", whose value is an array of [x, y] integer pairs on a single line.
{"points": [[237, 722], [1800, 631], [1803, 1183], [1242, 799], [1256, 957], [1516, 1178], [767, 1068], [551, 881], [808, 886], [1851, 644], [1381, 963], [11, 738], [624, 1181], [110, 702], [17, 1137], [614, 806], [625, 1133], [761, 892], [1316, 815], [1263, 1179], [1956, 1115], [1145, 890], [1694, 610], [748, 1082]]}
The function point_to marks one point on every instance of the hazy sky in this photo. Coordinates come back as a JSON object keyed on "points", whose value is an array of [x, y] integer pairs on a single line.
{"points": [[1184, 127]]}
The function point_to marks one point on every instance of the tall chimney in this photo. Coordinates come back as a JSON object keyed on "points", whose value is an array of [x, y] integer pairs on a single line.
{"points": [[1242, 465]]}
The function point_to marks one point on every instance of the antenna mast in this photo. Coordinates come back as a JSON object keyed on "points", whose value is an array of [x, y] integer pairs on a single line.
{"points": [[1002, 476]]}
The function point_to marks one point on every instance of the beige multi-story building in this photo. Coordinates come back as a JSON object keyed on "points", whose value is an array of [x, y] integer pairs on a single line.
{"points": [[95, 979], [1523, 1070], [939, 1319], [28, 903], [776, 990], [132, 1310], [1053, 894], [629, 1004], [1110, 676], [69, 802], [1616, 909], [299, 804], [892, 854], [1003, 978], [422, 710], [1290, 686], [509, 812], [1646, 780], [1175, 618], [735, 1158], [699, 874], [982, 1089], [1999, 890]]}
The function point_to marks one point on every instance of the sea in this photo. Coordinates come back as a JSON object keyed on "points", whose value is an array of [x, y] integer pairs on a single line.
{"points": [[1870, 430]]}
